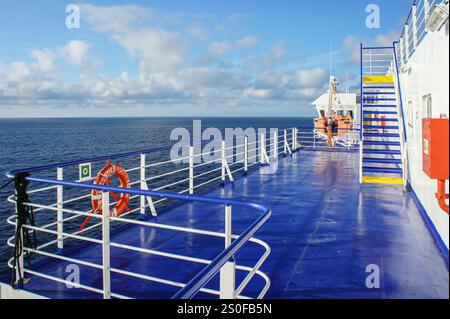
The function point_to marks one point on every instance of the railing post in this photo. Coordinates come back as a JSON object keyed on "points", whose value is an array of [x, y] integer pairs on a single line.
{"points": [[59, 213], [223, 161], [275, 144], [228, 271], [262, 147], [414, 26], [285, 143], [245, 154], [361, 109], [294, 140], [143, 184], [407, 42], [106, 246], [314, 140], [191, 170], [402, 51], [426, 8]]}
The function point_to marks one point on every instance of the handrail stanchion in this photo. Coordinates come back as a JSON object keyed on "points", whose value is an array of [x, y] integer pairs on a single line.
{"points": [[191, 170], [106, 246], [262, 148], [60, 213], [314, 140], [294, 147], [414, 26], [275, 144], [285, 143], [361, 116], [228, 271], [407, 39], [246, 154], [426, 8], [402, 51], [223, 161], [143, 184]]}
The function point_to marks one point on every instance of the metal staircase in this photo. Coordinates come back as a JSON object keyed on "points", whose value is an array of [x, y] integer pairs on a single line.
{"points": [[382, 138]]}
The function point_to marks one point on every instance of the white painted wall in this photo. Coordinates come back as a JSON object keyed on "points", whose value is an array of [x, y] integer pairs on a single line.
{"points": [[7, 292], [426, 72]]}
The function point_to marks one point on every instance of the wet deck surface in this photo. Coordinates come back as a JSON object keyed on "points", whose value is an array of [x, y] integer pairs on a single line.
{"points": [[324, 232]]}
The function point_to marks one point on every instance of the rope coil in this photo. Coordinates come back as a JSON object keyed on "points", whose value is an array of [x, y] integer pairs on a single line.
{"points": [[23, 237]]}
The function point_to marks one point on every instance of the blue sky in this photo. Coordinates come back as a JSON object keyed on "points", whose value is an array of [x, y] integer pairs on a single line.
{"points": [[182, 58]]}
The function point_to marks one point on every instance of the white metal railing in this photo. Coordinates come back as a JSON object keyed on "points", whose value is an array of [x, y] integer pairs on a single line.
{"points": [[316, 141], [58, 227], [415, 29]]}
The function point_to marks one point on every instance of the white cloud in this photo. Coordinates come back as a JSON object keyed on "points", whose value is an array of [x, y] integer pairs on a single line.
{"points": [[167, 75], [247, 42], [351, 44], [219, 48], [271, 58], [258, 93], [154, 47], [76, 52], [287, 85], [198, 32], [312, 78], [15, 72], [215, 50], [45, 60]]}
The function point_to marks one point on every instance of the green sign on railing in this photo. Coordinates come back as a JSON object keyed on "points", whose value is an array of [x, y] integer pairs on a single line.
{"points": [[85, 171]]}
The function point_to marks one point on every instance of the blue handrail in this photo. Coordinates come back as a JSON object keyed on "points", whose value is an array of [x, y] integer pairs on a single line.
{"points": [[203, 277], [13, 173], [361, 95], [399, 90], [157, 194]]}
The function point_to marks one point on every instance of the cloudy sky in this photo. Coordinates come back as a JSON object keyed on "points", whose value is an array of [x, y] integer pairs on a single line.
{"points": [[182, 57]]}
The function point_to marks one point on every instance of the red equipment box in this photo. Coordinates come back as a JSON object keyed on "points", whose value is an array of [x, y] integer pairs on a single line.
{"points": [[435, 148]]}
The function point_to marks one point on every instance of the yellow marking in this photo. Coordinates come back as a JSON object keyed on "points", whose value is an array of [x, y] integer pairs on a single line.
{"points": [[378, 79], [382, 180], [25, 281]]}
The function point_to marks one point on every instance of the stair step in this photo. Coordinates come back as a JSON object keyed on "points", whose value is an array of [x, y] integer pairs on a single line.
{"points": [[381, 160], [381, 152], [389, 79], [380, 112], [385, 170], [382, 180], [378, 99], [381, 127], [381, 135], [381, 143], [380, 105], [369, 119], [378, 93], [378, 87]]}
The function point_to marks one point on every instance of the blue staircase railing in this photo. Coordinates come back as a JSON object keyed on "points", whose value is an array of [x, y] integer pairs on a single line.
{"points": [[381, 129], [399, 88]]}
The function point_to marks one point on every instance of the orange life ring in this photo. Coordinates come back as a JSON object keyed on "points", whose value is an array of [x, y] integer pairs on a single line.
{"points": [[104, 177]]}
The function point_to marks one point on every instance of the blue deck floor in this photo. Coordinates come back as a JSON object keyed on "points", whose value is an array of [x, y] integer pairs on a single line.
{"points": [[325, 230]]}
